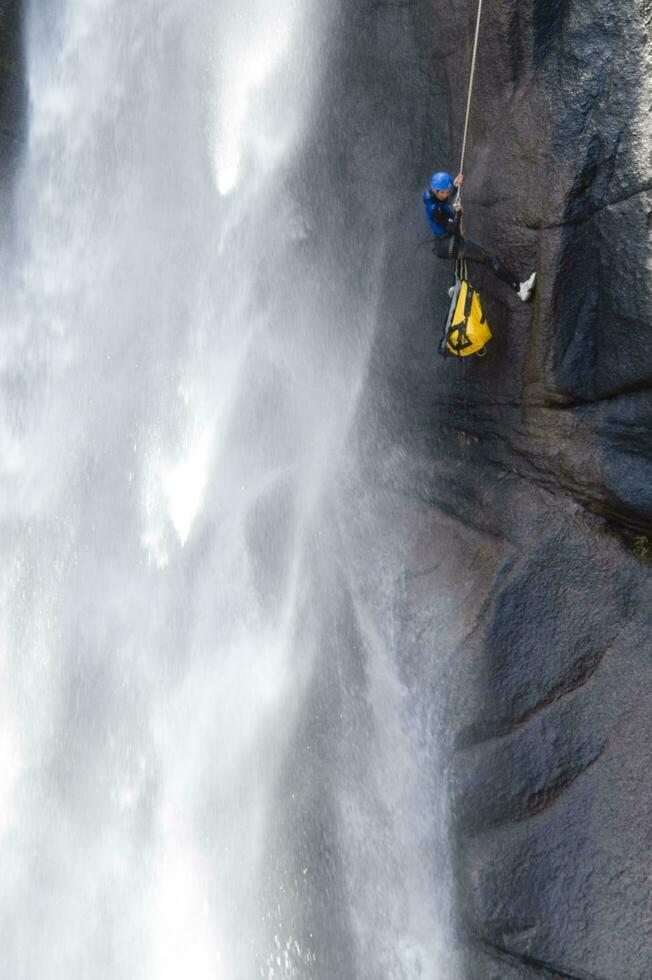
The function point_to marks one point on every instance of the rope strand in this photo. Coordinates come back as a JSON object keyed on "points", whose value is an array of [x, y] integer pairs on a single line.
{"points": [[471, 80]]}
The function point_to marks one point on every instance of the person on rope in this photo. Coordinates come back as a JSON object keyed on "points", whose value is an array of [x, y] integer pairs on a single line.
{"points": [[444, 215]]}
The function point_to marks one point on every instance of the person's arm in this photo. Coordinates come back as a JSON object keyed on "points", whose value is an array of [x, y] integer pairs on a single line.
{"points": [[449, 214], [445, 218], [440, 216], [459, 180], [436, 215], [429, 208]]}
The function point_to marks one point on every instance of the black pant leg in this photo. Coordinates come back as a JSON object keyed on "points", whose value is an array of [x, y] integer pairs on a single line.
{"points": [[471, 252], [444, 247]]}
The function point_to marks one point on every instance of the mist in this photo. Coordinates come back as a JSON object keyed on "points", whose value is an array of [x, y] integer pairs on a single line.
{"points": [[210, 763]]}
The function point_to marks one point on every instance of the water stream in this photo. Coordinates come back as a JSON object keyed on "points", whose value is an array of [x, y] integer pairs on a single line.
{"points": [[209, 766]]}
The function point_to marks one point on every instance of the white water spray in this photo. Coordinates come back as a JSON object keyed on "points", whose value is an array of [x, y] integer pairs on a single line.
{"points": [[175, 400]]}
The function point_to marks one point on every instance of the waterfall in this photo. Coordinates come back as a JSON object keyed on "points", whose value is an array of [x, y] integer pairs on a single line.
{"points": [[207, 768]]}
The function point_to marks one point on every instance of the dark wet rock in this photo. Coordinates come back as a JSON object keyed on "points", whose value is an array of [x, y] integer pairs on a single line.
{"points": [[517, 776], [13, 92], [549, 771], [544, 634], [525, 477]]}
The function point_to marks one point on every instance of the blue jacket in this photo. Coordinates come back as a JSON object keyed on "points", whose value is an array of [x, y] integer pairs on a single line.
{"points": [[439, 214]]}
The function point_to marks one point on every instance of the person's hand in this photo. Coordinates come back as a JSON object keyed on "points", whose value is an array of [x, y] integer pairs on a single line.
{"points": [[459, 180], [457, 206]]}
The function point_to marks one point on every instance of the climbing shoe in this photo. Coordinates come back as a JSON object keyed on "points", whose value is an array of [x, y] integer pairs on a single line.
{"points": [[526, 288]]}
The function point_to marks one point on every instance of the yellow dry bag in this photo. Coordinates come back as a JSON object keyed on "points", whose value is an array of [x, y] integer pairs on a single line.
{"points": [[467, 331]]}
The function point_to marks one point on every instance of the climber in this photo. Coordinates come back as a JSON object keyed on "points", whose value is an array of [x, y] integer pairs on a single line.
{"points": [[444, 214]]}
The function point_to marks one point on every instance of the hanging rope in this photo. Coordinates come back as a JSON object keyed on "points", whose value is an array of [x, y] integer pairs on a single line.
{"points": [[468, 101]]}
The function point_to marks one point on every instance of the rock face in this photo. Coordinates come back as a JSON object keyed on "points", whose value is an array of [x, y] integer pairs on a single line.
{"points": [[527, 475], [12, 88]]}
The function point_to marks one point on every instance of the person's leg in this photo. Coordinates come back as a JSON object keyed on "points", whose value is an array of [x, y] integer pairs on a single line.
{"points": [[461, 248], [471, 252], [444, 247]]}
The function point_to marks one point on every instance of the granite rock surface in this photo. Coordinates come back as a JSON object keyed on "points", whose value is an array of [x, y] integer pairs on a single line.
{"points": [[526, 475]]}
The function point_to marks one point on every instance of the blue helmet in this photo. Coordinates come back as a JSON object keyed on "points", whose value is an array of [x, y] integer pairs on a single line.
{"points": [[441, 182]]}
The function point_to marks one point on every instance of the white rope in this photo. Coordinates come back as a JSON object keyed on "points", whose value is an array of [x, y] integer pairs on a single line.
{"points": [[471, 80]]}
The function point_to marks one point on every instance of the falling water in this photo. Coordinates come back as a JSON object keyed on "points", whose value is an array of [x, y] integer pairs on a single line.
{"points": [[209, 767]]}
